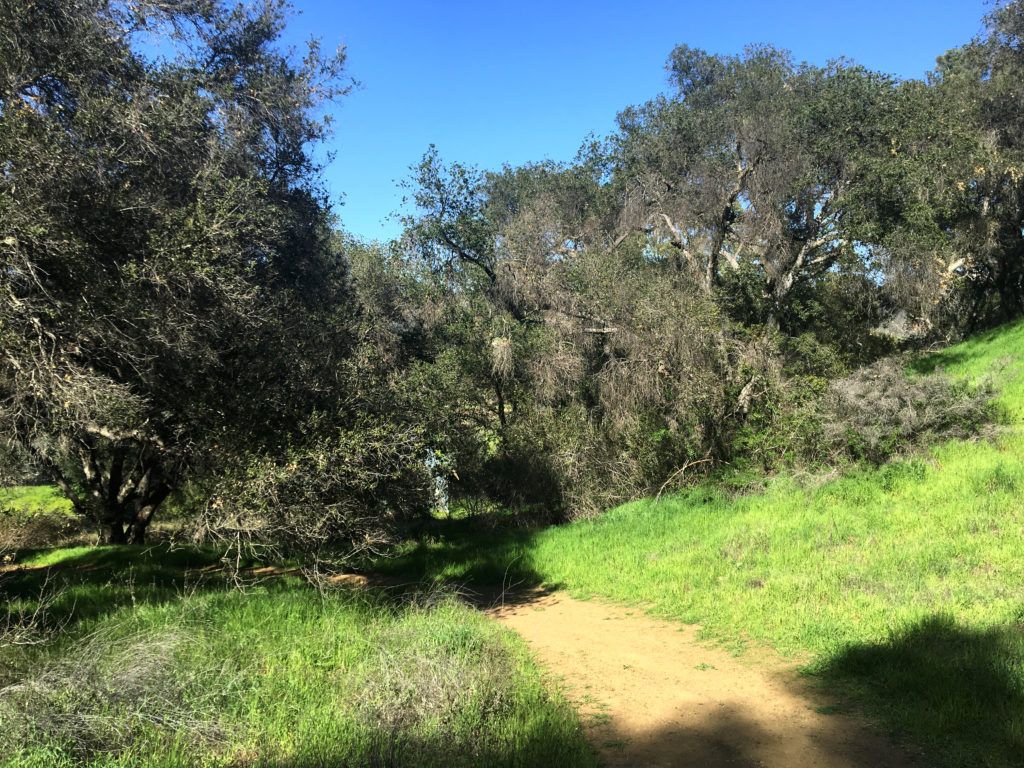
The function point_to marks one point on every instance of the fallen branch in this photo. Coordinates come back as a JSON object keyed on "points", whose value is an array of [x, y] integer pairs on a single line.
{"points": [[675, 474]]}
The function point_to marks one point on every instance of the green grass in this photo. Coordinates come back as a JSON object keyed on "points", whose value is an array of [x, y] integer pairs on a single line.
{"points": [[35, 515], [158, 663], [902, 586], [37, 499]]}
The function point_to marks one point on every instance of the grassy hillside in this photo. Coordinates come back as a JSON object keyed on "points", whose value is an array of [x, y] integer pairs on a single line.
{"points": [[903, 585], [33, 516], [34, 499], [145, 660]]}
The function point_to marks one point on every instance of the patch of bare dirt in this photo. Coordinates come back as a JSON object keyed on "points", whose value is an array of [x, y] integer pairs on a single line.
{"points": [[651, 695]]}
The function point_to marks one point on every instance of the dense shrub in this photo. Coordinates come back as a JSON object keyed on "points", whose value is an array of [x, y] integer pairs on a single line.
{"points": [[870, 415], [349, 492], [881, 411], [20, 530]]}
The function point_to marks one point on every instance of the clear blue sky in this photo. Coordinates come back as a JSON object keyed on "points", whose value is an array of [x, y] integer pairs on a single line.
{"points": [[491, 83]]}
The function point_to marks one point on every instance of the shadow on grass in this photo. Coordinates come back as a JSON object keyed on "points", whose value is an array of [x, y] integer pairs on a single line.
{"points": [[946, 359], [486, 564], [740, 737], [86, 583], [978, 347], [956, 691], [728, 736], [539, 744]]}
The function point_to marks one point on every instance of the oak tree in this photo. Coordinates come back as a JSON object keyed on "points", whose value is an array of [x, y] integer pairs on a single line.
{"points": [[165, 244]]}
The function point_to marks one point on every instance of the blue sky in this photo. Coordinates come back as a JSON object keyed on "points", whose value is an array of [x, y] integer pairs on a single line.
{"points": [[494, 83]]}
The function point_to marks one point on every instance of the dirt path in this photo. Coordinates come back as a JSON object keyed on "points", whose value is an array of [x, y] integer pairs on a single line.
{"points": [[651, 695]]}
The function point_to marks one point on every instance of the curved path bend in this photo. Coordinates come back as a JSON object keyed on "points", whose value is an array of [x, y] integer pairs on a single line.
{"points": [[651, 696]]}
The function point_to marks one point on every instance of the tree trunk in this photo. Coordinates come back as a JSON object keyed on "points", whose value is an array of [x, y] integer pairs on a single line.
{"points": [[115, 534], [127, 522], [144, 513], [502, 420], [137, 534]]}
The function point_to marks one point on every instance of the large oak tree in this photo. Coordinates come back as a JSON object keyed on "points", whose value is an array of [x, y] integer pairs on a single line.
{"points": [[168, 294]]}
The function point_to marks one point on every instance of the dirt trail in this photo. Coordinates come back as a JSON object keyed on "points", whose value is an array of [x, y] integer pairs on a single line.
{"points": [[651, 695]]}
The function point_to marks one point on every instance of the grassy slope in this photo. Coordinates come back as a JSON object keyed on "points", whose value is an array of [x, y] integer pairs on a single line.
{"points": [[40, 499], [905, 585], [159, 667]]}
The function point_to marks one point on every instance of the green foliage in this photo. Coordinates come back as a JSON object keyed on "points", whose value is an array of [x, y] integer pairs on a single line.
{"points": [[586, 376], [873, 577], [34, 499], [689, 289], [197, 327], [194, 308]]}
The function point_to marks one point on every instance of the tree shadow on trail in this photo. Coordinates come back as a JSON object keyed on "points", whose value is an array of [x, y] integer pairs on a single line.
{"points": [[730, 737], [538, 744], [956, 691], [487, 565], [734, 737]]}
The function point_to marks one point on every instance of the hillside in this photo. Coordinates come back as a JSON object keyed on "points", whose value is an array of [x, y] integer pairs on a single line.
{"points": [[901, 586]]}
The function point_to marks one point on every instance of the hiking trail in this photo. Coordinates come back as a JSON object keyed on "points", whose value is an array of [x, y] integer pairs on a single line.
{"points": [[651, 695]]}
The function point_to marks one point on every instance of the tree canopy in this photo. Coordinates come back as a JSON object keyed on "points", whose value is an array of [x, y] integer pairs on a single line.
{"points": [[166, 246], [684, 287], [179, 310]]}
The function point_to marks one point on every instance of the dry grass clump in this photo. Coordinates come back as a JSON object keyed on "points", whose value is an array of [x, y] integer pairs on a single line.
{"points": [[415, 681], [878, 411], [430, 680], [19, 530], [110, 693], [502, 357], [29, 622]]}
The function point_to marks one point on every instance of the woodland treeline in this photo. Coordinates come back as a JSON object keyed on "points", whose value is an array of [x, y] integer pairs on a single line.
{"points": [[720, 283]]}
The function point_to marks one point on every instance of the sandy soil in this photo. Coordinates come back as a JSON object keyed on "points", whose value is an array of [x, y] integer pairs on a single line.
{"points": [[651, 695]]}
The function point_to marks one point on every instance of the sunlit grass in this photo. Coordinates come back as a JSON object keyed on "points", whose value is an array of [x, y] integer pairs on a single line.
{"points": [[820, 570], [34, 499], [161, 664]]}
